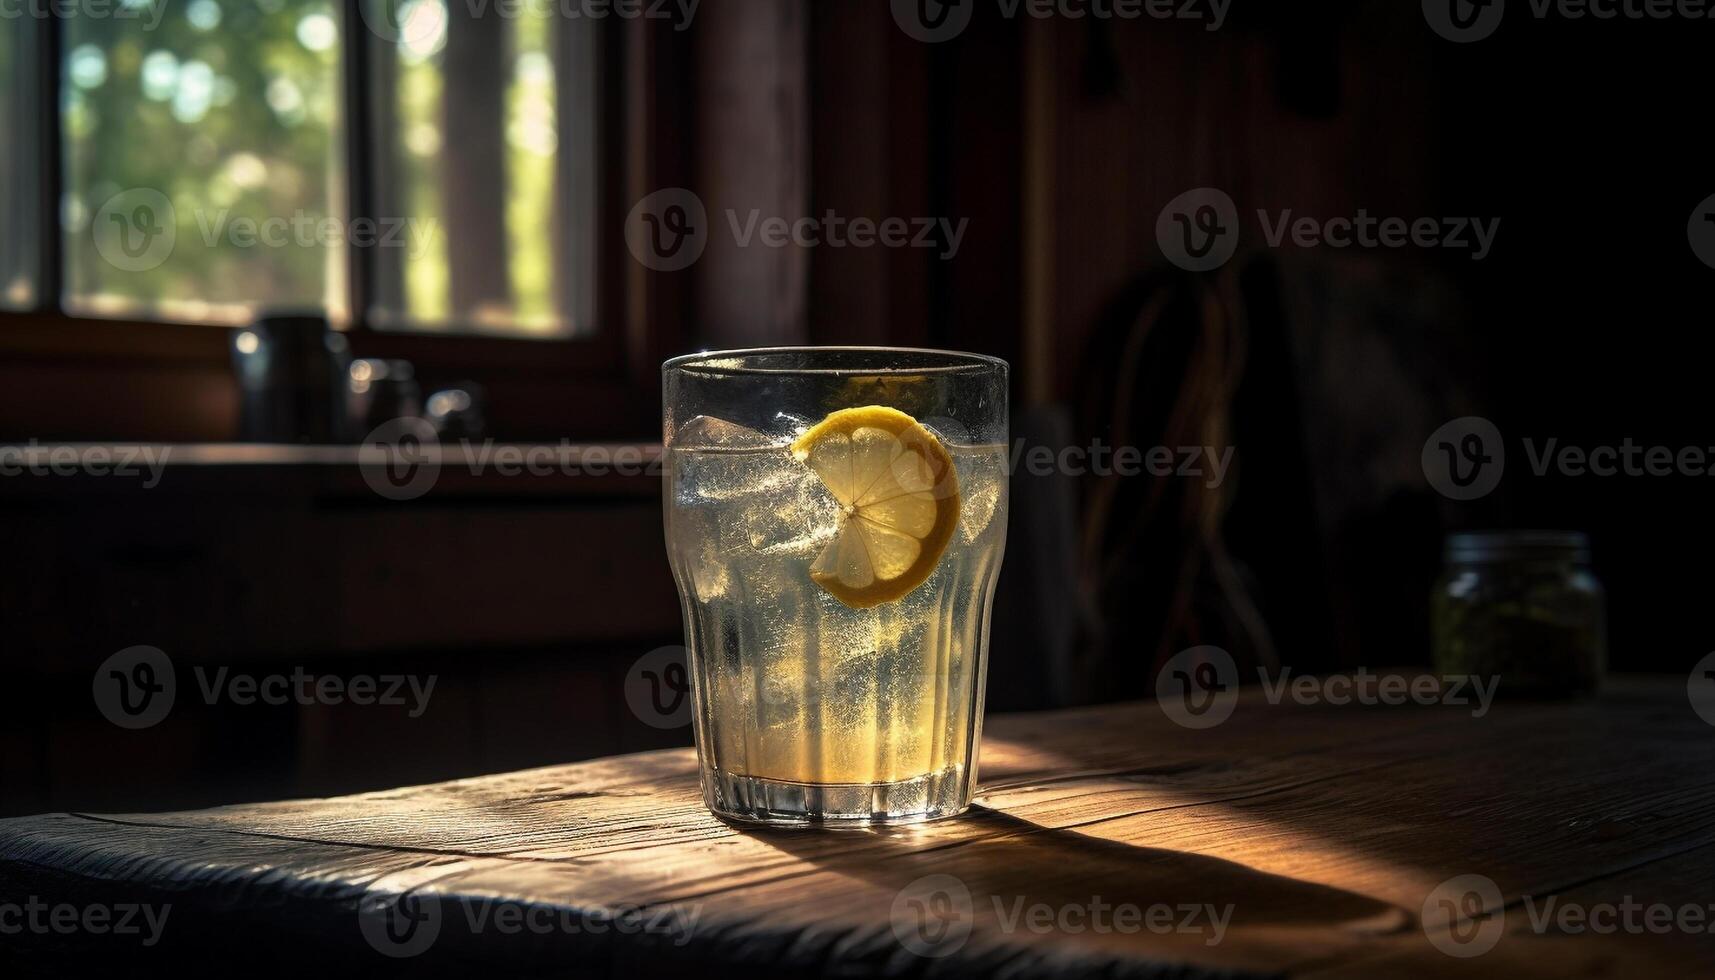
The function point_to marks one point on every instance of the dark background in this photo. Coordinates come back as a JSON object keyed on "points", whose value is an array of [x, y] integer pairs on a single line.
{"points": [[1061, 141]]}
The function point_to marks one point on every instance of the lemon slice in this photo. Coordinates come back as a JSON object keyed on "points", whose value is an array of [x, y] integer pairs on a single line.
{"points": [[899, 496]]}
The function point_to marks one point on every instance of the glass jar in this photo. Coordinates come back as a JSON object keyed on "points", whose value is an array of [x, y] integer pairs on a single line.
{"points": [[1524, 607]]}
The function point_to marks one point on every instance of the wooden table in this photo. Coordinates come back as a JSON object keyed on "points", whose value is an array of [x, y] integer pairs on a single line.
{"points": [[1292, 839]]}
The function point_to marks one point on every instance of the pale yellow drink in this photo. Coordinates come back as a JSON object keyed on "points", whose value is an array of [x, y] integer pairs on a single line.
{"points": [[796, 686]]}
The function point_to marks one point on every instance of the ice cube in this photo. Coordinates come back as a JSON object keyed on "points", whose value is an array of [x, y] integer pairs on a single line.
{"points": [[709, 571], [718, 460], [977, 509], [708, 432], [798, 516]]}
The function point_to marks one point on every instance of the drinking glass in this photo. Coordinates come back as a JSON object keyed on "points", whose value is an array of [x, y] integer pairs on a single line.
{"points": [[835, 519]]}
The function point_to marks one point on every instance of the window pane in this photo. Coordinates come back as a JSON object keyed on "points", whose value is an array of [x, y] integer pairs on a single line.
{"points": [[20, 220], [484, 152], [202, 165]]}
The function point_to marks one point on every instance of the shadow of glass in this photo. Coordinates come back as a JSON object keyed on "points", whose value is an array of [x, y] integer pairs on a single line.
{"points": [[1008, 863]]}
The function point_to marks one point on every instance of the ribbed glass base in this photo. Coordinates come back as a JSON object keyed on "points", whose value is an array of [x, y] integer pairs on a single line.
{"points": [[774, 802]]}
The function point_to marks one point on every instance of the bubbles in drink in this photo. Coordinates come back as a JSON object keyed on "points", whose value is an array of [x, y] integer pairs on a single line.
{"points": [[801, 687]]}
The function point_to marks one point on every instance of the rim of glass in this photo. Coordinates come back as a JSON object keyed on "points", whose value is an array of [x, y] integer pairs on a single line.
{"points": [[934, 361]]}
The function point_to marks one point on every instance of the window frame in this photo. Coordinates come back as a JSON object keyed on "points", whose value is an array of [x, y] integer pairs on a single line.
{"points": [[598, 377]]}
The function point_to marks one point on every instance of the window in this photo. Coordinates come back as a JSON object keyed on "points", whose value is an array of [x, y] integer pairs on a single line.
{"points": [[201, 160], [19, 223], [500, 214], [409, 166]]}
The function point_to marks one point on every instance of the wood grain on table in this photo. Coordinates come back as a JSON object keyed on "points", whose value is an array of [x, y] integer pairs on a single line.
{"points": [[1290, 840]]}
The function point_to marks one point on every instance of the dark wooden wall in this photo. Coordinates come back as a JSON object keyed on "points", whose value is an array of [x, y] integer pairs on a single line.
{"points": [[1191, 108], [528, 597]]}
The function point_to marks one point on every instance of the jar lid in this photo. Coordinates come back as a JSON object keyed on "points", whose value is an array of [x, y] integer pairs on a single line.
{"points": [[1495, 546]]}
